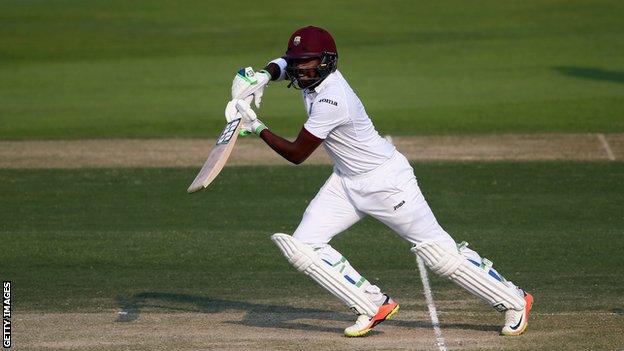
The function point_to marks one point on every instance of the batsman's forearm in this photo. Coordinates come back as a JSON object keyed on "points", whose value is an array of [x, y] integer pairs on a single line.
{"points": [[274, 70], [283, 147]]}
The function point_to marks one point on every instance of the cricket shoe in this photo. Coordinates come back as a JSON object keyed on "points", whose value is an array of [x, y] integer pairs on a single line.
{"points": [[516, 321], [364, 324]]}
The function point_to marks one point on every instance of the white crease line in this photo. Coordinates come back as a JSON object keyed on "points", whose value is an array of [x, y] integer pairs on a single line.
{"points": [[431, 305], [605, 145]]}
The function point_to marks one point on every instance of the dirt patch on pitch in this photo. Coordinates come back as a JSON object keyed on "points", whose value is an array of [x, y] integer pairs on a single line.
{"points": [[304, 330], [252, 151]]}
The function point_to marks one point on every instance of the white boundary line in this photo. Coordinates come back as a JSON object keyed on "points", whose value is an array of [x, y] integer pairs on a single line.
{"points": [[431, 305], [605, 145]]}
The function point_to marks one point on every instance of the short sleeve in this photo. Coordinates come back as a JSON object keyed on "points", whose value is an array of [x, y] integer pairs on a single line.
{"points": [[326, 114]]}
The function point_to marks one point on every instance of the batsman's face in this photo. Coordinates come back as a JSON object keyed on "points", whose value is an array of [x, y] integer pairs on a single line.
{"points": [[307, 71]]}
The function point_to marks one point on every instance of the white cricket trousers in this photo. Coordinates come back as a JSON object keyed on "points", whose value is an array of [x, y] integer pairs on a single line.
{"points": [[389, 193]]}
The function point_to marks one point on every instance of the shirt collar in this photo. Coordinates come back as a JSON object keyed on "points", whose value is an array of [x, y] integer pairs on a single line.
{"points": [[319, 88]]}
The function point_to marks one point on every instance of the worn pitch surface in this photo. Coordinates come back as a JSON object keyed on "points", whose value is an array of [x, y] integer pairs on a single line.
{"points": [[298, 328], [252, 151]]}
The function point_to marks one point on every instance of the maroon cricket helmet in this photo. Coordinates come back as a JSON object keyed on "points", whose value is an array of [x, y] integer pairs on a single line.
{"points": [[311, 42]]}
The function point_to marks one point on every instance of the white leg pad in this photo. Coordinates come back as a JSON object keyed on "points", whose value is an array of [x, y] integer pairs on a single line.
{"points": [[305, 260], [451, 264]]}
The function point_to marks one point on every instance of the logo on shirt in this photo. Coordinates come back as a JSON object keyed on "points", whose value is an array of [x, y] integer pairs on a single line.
{"points": [[331, 102]]}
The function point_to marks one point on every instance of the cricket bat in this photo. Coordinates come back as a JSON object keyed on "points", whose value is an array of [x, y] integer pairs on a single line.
{"points": [[218, 156]]}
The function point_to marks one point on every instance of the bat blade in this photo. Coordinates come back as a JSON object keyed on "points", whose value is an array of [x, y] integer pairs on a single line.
{"points": [[218, 157]]}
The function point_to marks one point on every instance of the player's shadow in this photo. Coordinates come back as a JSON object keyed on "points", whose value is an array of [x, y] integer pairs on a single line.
{"points": [[258, 315], [592, 73]]}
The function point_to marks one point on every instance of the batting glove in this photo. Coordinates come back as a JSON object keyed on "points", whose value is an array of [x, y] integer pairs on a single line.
{"points": [[251, 123], [231, 113], [248, 83]]}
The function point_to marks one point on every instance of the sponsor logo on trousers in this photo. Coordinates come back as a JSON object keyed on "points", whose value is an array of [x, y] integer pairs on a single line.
{"points": [[399, 205]]}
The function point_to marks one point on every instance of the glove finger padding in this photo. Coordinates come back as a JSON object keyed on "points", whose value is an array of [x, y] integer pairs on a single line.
{"points": [[258, 98], [248, 83], [231, 112], [250, 119], [249, 115]]}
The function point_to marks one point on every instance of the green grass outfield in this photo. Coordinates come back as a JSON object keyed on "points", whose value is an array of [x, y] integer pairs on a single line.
{"points": [[97, 69], [87, 240]]}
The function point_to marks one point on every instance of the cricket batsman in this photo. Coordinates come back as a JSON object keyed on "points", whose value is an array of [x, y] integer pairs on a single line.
{"points": [[370, 177]]}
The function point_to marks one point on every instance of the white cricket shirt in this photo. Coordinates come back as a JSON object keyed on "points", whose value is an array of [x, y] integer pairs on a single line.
{"points": [[337, 115]]}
